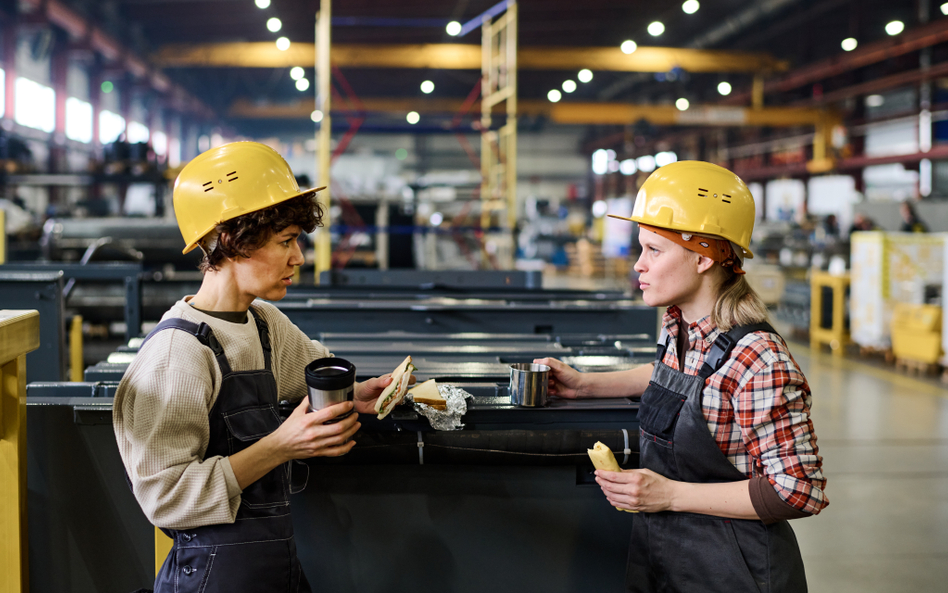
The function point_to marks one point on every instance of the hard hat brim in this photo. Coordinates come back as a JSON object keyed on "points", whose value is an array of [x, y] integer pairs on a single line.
{"points": [[747, 252], [189, 248]]}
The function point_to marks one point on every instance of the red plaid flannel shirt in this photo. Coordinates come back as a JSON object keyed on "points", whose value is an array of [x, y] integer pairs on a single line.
{"points": [[758, 410]]}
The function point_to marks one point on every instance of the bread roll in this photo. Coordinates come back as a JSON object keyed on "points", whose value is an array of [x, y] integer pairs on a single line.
{"points": [[603, 458]]}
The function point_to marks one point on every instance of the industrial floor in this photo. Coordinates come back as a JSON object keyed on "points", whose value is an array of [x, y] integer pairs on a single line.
{"points": [[884, 440], [883, 436]]}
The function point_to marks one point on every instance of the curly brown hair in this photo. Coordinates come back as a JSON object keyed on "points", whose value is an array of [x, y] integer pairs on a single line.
{"points": [[241, 236]]}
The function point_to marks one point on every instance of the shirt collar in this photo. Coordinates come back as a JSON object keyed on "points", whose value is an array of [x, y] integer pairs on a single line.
{"points": [[704, 329]]}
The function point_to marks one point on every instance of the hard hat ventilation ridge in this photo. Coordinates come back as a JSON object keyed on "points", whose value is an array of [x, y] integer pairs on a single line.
{"points": [[208, 186], [726, 201], [702, 195], [234, 173]]}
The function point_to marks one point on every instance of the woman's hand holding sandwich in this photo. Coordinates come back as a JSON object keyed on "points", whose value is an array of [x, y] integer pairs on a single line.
{"points": [[368, 391]]}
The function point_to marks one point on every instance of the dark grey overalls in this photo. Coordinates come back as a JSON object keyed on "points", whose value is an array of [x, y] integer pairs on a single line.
{"points": [[257, 552], [688, 552]]}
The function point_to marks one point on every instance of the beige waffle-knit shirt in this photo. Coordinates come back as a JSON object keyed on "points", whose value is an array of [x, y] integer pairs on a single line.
{"points": [[161, 408]]}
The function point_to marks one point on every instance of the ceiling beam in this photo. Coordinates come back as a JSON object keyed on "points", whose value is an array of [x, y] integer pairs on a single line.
{"points": [[457, 56], [562, 113]]}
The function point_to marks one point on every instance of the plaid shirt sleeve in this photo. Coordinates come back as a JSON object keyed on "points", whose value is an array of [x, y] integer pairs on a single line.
{"points": [[758, 409]]}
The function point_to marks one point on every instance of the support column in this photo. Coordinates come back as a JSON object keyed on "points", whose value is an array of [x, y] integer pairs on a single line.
{"points": [[324, 138]]}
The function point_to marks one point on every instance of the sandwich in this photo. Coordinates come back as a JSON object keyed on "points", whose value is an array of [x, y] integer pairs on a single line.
{"points": [[396, 390], [603, 458], [427, 393]]}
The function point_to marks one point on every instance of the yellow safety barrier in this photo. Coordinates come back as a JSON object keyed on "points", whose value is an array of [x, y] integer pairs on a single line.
{"points": [[837, 335], [19, 334], [75, 349]]}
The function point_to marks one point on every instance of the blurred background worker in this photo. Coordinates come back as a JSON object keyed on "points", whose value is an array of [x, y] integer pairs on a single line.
{"points": [[910, 220], [196, 414], [728, 450]]}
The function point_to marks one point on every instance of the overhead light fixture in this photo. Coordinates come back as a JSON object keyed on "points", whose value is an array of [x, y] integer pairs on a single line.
{"points": [[665, 158], [724, 88], [628, 46], [646, 164], [302, 84], [107, 86], [691, 6], [944, 8], [261, 4], [569, 86], [274, 24], [895, 27], [682, 104], [283, 43], [849, 44], [316, 116], [585, 75], [554, 96], [627, 167], [453, 28], [427, 87], [599, 207], [436, 218], [413, 117], [875, 101], [297, 73], [656, 28], [600, 162]]}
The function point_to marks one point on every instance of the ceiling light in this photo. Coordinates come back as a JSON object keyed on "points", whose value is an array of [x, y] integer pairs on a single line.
{"points": [[453, 28], [944, 8], [316, 116], [849, 44], [274, 24], [427, 87], [436, 218], [585, 75], [297, 73], [554, 96], [569, 86], [875, 101], [413, 117], [600, 162], [690, 6], [599, 207], [656, 28], [302, 84], [628, 46], [665, 158], [895, 27], [283, 43], [627, 167], [682, 104], [724, 88], [646, 163], [261, 4]]}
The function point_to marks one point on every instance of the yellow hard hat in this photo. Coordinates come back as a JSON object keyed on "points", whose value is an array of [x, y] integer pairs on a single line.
{"points": [[697, 197], [229, 181]]}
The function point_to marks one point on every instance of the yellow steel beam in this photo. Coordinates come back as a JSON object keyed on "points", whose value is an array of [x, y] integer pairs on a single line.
{"points": [[457, 56], [564, 113]]}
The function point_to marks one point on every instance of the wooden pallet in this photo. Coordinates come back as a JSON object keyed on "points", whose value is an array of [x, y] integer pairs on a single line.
{"points": [[870, 352], [916, 367]]}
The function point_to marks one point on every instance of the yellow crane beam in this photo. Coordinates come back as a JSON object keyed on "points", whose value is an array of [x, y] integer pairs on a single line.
{"points": [[562, 113], [457, 56]]}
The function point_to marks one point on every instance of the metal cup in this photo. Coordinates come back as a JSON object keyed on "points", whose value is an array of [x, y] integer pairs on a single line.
{"points": [[528, 384], [330, 381]]}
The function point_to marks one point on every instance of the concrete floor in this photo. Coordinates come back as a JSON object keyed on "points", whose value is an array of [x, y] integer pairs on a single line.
{"points": [[884, 440]]}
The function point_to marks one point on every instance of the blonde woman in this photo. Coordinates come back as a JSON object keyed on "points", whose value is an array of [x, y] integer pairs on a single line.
{"points": [[727, 449]]}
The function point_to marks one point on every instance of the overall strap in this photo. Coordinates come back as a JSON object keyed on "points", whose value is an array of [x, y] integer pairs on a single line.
{"points": [[202, 332], [264, 332], [724, 344], [661, 350]]}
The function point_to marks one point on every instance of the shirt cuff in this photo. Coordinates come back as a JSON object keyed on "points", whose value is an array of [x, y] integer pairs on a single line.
{"points": [[233, 488], [768, 504]]}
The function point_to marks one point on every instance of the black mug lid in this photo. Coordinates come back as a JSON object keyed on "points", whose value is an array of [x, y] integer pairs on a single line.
{"points": [[330, 374]]}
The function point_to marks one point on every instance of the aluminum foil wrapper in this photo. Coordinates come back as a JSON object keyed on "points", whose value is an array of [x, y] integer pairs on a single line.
{"points": [[450, 417]]}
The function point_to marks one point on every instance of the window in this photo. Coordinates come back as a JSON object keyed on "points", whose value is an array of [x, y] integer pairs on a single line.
{"points": [[78, 120], [111, 126], [35, 105], [137, 132]]}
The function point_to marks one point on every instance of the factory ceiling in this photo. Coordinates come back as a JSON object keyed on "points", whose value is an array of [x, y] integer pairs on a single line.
{"points": [[777, 36]]}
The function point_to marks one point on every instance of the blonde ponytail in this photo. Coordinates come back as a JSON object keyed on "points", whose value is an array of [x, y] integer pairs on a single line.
{"points": [[737, 304]]}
